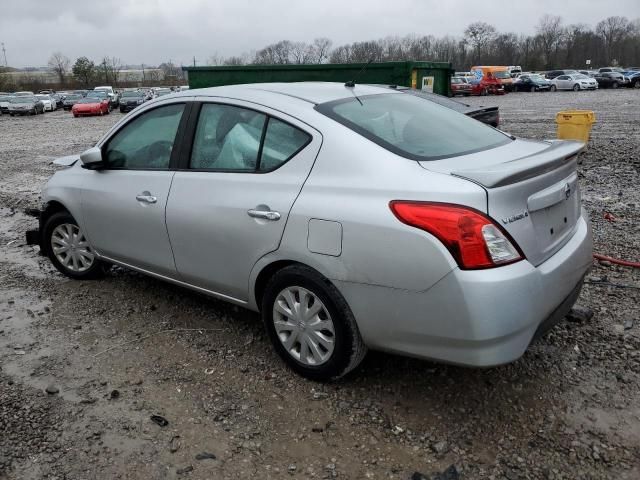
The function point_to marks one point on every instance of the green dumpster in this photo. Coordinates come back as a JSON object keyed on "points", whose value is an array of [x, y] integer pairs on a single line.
{"points": [[429, 76]]}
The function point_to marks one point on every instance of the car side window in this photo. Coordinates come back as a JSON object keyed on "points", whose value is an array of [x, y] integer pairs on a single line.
{"points": [[227, 138], [563, 77], [147, 141], [281, 142]]}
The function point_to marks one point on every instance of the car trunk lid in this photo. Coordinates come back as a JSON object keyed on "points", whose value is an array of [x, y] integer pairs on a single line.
{"points": [[532, 190]]}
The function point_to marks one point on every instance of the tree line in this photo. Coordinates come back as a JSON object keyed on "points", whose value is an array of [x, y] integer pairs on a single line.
{"points": [[613, 41]]}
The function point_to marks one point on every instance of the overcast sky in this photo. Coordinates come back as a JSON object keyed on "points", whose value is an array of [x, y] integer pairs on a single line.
{"points": [[153, 31]]}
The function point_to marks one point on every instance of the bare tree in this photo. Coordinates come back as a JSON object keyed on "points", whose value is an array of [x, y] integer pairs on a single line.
{"points": [[550, 34], [480, 35], [613, 31], [215, 59], [300, 52], [60, 65], [234, 61], [320, 50]]}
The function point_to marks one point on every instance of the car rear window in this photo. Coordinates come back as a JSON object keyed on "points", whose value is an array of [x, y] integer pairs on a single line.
{"points": [[413, 127]]}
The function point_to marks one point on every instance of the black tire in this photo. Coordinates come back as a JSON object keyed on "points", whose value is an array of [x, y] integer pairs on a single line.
{"points": [[636, 84], [614, 85], [349, 349], [576, 88], [533, 89], [553, 88], [97, 269]]}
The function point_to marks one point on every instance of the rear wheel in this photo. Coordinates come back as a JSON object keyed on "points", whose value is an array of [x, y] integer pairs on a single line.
{"points": [[69, 250], [310, 324], [636, 84], [553, 88], [533, 89]]}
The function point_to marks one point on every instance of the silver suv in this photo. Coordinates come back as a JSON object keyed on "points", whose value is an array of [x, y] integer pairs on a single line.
{"points": [[350, 217]]}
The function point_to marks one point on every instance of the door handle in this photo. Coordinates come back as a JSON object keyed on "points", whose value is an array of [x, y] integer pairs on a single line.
{"points": [[264, 214], [146, 197]]}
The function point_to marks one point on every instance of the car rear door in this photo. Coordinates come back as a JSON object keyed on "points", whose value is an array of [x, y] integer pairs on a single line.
{"points": [[242, 169], [123, 204]]}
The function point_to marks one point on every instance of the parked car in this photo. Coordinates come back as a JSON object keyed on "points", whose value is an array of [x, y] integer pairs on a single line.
{"points": [[90, 106], [4, 103], [460, 86], [70, 100], [110, 93], [59, 99], [47, 101], [556, 73], [575, 82], [159, 92], [351, 218], [130, 100], [25, 105], [531, 82], [102, 95], [609, 79], [634, 78]]}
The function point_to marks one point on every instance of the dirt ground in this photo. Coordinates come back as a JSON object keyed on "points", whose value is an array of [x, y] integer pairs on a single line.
{"points": [[120, 350]]}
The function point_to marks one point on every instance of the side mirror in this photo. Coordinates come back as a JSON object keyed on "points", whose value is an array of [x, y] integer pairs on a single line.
{"points": [[92, 158]]}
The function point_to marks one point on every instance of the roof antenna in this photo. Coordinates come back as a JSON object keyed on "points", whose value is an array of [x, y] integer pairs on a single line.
{"points": [[352, 83]]}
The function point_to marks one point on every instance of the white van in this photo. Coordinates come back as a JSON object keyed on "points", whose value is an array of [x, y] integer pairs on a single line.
{"points": [[107, 90]]}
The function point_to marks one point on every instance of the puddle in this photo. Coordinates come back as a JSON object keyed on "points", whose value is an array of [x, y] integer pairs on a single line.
{"points": [[22, 355]]}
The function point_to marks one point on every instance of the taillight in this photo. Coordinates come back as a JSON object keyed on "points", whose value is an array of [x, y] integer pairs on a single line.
{"points": [[473, 239]]}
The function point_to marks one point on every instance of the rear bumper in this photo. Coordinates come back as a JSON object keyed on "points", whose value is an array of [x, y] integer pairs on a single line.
{"points": [[474, 318]]}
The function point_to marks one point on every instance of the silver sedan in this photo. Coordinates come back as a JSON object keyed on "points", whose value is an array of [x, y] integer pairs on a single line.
{"points": [[350, 217]]}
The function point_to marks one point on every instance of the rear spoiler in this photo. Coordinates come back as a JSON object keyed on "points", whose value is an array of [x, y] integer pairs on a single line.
{"points": [[557, 154]]}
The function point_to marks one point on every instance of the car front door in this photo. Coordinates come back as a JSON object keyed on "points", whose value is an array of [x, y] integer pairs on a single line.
{"points": [[238, 179], [561, 82], [123, 204]]}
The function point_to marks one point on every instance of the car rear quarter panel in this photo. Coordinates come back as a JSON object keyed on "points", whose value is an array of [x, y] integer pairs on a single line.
{"points": [[352, 183]]}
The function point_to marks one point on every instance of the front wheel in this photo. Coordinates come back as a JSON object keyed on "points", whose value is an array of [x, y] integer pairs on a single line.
{"points": [[576, 88], [614, 85], [533, 89], [310, 324], [69, 250]]}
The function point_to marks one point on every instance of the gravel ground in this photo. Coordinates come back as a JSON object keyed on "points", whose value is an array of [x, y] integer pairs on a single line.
{"points": [[112, 353]]}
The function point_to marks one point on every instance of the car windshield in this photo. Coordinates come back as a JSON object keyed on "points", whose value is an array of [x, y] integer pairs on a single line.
{"points": [[89, 100], [501, 74], [132, 94], [413, 127], [43, 97], [96, 94], [163, 91], [580, 77], [73, 97], [536, 77], [457, 80], [23, 99]]}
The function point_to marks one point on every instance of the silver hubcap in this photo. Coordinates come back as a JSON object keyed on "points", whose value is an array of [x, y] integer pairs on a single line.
{"points": [[304, 326], [71, 248]]}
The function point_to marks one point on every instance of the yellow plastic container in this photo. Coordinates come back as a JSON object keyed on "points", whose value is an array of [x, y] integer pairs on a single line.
{"points": [[575, 124]]}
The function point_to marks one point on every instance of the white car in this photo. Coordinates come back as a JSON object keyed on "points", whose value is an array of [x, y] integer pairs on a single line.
{"points": [[48, 102], [575, 82], [4, 103]]}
